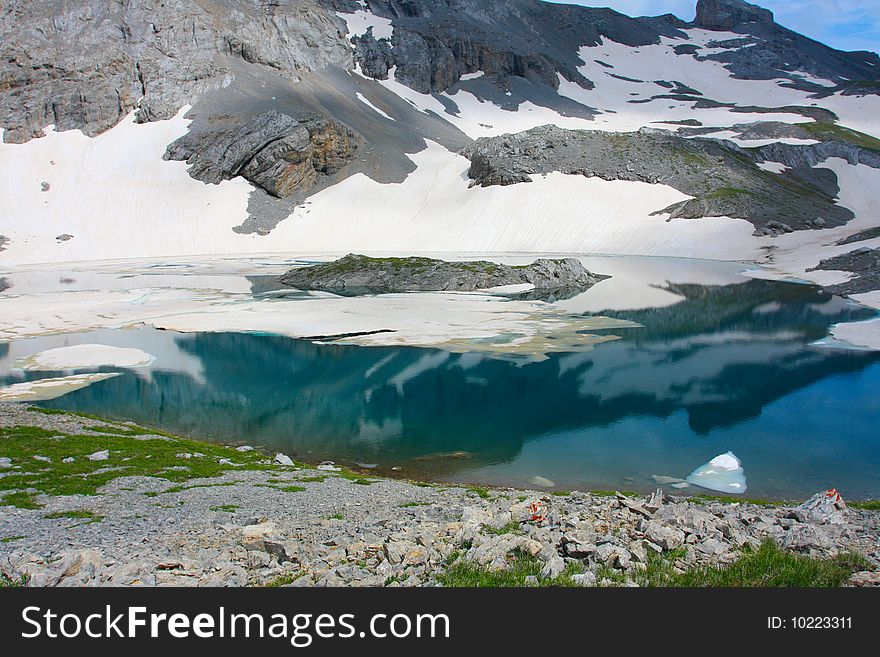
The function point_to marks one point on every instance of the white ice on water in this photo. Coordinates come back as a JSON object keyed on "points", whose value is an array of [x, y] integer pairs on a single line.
{"points": [[723, 474], [44, 389], [83, 356]]}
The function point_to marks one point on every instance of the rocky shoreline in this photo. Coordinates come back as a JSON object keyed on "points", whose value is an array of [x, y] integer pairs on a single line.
{"points": [[261, 521]]}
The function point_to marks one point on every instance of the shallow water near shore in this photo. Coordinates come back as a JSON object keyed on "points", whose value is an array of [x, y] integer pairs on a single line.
{"points": [[699, 369]]}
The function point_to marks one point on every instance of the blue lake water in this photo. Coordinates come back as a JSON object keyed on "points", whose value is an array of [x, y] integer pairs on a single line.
{"points": [[728, 368]]}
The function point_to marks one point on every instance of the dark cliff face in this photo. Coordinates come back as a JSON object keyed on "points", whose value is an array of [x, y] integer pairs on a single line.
{"points": [[728, 14], [774, 51], [435, 42]]}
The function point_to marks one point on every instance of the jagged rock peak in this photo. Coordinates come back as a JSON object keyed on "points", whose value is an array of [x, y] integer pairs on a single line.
{"points": [[727, 14]]}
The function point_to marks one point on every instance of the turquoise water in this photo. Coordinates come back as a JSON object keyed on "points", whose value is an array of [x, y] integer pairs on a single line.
{"points": [[729, 368]]}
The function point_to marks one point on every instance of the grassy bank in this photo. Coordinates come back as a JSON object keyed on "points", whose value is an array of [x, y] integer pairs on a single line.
{"points": [[764, 566]]}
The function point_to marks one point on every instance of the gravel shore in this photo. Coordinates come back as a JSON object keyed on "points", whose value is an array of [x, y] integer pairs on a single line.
{"points": [[259, 521]]}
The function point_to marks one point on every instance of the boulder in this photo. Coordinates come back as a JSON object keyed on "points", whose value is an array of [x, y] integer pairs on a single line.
{"points": [[584, 579], [553, 567], [669, 538], [495, 551], [807, 538], [825, 508]]}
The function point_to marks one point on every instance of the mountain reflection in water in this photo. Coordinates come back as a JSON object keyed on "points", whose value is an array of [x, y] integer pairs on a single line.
{"points": [[718, 359]]}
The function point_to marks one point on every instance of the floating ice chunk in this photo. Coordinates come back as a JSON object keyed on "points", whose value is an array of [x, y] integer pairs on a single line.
{"points": [[723, 474], [83, 356], [43, 389]]}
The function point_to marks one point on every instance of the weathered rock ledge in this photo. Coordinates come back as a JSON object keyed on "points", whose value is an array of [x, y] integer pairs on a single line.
{"points": [[863, 263], [360, 273], [287, 523], [277, 152], [723, 179]]}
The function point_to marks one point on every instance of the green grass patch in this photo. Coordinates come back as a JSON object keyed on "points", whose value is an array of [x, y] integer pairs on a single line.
{"points": [[336, 516], [695, 160], [7, 582], [408, 505], [21, 500], [146, 457], [613, 493], [479, 491], [825, 131], [128, 430], [357, 479], [315, 479], [282, 580], [728, 193], [765, 566], [226, 508], [512, 527], [465, 574], [11, 539], [292, 489], [865, 505], [56, 411]]}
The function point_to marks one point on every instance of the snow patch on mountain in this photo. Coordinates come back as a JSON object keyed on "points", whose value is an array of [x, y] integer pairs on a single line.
{"points": [[113, 196], [366, 102], [361, 21], [480, 118], [434, 209]]}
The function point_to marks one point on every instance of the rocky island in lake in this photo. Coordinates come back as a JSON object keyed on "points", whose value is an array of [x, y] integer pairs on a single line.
{"points": [[362, 273]]}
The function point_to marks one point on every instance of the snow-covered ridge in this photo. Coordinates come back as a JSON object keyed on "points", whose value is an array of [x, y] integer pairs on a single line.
{"points": [[66, 197]]}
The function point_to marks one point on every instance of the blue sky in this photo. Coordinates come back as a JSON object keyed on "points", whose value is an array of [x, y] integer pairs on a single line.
{"points": [[844, 24]]}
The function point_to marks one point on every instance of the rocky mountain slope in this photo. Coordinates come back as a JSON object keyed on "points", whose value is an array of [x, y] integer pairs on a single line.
{"points": [[239, 126]]}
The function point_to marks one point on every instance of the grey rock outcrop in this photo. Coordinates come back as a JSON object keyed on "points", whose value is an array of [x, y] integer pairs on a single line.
{"points": [[281, 154], [86, 65], [360, 273], [864, 263], [722, 177], [770, 51], [796, 156], [724, 15], [825, 508]]}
